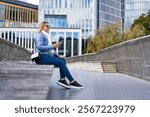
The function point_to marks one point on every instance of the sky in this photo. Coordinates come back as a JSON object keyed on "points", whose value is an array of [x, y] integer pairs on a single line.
{"points": [[36, 2]]}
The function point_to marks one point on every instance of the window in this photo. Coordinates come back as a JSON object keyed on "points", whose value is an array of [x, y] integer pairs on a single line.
{"points": [[56, 4], [75, 43], [60, 4], [57, 21], [61, 38], [68, 44], [65, 3]]}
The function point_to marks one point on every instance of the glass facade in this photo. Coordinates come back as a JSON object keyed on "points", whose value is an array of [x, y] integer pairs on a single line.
{"points": [[14, 15], [122, 13], [70, 42], [56, 21], [2, 16], [78, 13], [109, 11], [85, 14], [75, 44], [133, 9], [61, 39]]}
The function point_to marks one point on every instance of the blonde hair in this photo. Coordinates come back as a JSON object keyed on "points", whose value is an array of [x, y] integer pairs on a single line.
{"points": [[41, 26]]}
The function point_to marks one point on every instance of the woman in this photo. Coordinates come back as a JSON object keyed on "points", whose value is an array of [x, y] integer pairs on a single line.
{"points": [[48, 56]]}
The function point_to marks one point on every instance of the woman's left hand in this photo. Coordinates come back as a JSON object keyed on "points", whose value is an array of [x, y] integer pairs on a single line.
{"points": [[61, 56]]}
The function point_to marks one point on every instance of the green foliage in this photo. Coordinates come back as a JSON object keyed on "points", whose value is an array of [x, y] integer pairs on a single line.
{"points": [[111, 35], [143, 20], [136, 31], [90, 48], [104, 37], [107, 36]]}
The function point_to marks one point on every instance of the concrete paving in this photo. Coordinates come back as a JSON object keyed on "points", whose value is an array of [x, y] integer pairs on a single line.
{"points": [[22, 80], [100, 86]]}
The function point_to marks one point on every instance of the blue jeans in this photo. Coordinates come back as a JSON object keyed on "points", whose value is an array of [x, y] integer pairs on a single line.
{"points": [[58, 62]]}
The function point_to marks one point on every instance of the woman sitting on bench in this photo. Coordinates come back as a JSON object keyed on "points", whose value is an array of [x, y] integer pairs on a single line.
{"points": [[48, 56]]}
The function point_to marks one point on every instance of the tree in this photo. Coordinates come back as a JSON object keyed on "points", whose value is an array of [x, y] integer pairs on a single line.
{"points": [[90, 48], [143, 20], [111, 35], [136, 31], [104, 37]]}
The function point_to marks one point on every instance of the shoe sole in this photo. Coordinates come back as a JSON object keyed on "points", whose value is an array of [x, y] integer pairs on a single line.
{"points": [[73, 87], [63, 85]]}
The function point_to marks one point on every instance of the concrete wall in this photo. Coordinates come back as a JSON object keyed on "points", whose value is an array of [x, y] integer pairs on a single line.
{"points": [[10, 51], [132, 57]]}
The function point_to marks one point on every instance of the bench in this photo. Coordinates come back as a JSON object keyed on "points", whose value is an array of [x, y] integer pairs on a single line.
{"points": [[22, 80]]}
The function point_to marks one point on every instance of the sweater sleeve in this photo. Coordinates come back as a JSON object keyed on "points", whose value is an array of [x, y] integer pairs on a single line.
{"points": [[40, 44]]}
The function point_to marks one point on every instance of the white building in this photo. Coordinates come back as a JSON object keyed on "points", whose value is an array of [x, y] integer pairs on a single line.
{"points": [[89, 15], [18, 24]]}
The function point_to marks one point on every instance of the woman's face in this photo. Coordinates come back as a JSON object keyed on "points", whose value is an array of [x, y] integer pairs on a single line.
{"points": [[46, 28]]}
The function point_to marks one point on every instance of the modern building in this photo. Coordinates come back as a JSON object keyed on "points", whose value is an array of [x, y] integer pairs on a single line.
{"points": [[89, 15], [19, 24], [133, 9], [122, 13], [14, 13], [108, 12]]}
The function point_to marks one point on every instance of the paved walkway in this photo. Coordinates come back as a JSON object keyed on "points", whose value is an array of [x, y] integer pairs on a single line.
{"points": [[100, 86], [29, 81]]}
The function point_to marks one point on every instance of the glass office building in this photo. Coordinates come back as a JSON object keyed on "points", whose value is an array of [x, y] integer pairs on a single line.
{"points": [[108, 12], [19, 25], [78, 13], [89, 15], [14, 13], [133, 9]]}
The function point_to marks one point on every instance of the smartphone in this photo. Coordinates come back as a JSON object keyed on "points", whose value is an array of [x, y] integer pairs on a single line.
{"points": [[60, 43]]}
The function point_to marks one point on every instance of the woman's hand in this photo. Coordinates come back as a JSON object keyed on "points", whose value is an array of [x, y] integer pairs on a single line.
{"points": [[61, 56], [56, 45]]}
